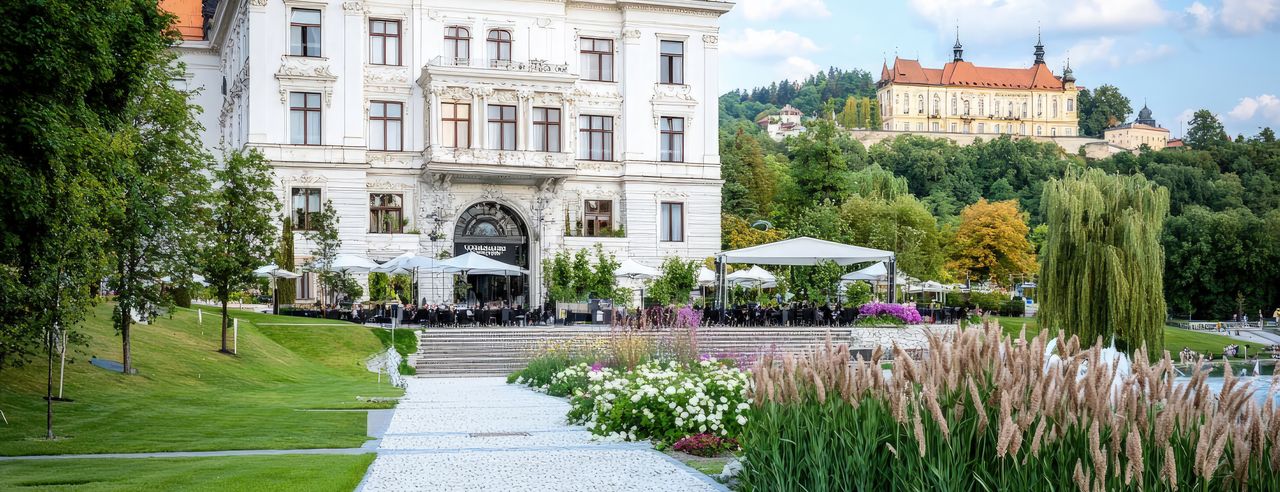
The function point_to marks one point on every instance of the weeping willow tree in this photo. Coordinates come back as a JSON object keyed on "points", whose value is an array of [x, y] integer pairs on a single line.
{"points": [[1102, 266]]}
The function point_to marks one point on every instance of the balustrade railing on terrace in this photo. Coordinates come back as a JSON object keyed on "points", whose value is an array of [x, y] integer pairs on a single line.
{"points": [[533, 66]]}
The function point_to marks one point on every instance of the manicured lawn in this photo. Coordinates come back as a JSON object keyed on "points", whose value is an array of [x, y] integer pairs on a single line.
{"points": [[232, 473], [406, 342], [188, 397], [1174, 338]]}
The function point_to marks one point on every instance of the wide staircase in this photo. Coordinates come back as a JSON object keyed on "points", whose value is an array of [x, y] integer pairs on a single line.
{"points": [[499, 351]]}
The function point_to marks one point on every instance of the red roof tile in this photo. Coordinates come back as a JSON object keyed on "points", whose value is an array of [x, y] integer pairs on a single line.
{"points": [[963, 73]]}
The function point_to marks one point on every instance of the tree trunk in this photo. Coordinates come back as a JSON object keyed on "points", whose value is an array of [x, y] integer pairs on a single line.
{"points": [[48, 396], [127, 352], [224, 327]]}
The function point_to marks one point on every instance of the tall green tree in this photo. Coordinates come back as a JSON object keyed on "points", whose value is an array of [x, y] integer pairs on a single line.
{"points": [[1102, 108], [241, 236], [326, 245], [162, 173], [69, 72], [818, 166], [1205, 130], [849, 113], [1102, 264], [286, 292], [677, 280]]}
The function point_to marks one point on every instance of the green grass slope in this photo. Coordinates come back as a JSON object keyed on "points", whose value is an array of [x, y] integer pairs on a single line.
{"points": [[234, 473], [188, 397], [1174, 338]]}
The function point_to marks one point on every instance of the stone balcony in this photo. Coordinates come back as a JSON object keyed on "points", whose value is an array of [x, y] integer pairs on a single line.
{"points": [[488, 162]]}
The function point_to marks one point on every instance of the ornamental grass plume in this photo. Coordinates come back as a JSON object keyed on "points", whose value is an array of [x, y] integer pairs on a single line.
{"points": [[987, 411]]}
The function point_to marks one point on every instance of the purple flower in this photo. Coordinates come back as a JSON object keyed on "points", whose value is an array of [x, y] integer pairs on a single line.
{"points": [[907, 314], [597, 366]]}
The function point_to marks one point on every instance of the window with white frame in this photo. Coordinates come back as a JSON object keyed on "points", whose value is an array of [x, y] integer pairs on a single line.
{"points": [[672, 137], [671, 222], [546, 129], [597, 59], [671, 62], [384, 42], [304, 118], [457, 44], [386, 125], [502, 127], [304, 32]]}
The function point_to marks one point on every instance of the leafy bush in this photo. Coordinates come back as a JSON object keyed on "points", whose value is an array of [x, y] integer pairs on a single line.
{"points": [[663, 401], [881, 320], [705, 445], [552, 357], [1013, 307], [906, 314]]}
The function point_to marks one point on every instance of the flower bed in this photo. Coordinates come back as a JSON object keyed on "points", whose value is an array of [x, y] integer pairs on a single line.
{"points": [[987, 412], [662, 401], [906, 314]]}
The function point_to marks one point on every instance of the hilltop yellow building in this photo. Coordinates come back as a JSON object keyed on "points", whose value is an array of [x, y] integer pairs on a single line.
{"points": [[964, 98], [1142, 131]]}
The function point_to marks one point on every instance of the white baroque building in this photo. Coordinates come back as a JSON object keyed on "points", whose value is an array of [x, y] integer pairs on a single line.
{"points": [[511, 128]]}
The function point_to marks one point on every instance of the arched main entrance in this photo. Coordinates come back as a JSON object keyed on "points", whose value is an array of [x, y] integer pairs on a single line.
{"points": [[494, 230]]}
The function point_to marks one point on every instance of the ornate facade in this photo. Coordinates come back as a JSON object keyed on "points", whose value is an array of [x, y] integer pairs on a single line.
{"points": [[508, 128], [964, 98]]}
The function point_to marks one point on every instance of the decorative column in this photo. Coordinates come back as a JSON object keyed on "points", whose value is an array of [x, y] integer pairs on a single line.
{"points": [[352, 112], [524, 118]]}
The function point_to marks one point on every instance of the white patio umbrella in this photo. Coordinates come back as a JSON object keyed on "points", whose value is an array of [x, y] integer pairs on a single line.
{"points": [[345, 263], [706, 277], [755, 276], [411, 264], [477, 264], [636, 271], [275, 273]]}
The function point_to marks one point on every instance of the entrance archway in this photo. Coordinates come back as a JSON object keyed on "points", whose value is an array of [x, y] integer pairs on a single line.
{"points": [[496, 231]]}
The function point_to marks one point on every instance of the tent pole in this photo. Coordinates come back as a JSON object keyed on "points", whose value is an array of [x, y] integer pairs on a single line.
{"points": [[893, 280]]}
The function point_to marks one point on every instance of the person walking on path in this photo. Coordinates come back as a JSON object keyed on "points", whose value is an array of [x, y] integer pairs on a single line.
{"points": [[1276, 315]]}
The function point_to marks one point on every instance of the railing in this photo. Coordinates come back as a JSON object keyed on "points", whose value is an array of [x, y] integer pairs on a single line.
{"points": [[532, 66]]}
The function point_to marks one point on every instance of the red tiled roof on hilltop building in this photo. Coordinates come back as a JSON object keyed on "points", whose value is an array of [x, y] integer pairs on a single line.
{"points": [[962, 73]]}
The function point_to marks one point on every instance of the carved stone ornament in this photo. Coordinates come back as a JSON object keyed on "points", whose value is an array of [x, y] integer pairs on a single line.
{"points": [[673, 92], [548, 99], [631, 34], [353, 7], [710, 39], [257, 3], [502, 97]]}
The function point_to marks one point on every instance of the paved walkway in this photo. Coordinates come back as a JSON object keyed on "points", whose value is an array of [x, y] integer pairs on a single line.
{"points": [[476, 434]]}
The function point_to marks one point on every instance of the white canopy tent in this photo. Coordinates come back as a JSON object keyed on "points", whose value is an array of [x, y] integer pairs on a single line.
{"points": [[873, 273], [753, 277], [411, 264], [706, 277], [805, 251], [931, 287], [629, 269], [275, 273], [345, 263]]}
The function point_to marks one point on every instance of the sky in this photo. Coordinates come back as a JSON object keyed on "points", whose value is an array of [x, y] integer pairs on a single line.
{"points": [[1177, 56]]}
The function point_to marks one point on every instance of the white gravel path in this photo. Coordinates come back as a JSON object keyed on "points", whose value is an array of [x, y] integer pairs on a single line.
{"points": [[430, 445]]}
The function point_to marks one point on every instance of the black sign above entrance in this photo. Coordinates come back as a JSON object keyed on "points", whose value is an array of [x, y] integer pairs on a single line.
{"points": [[506, 253]]}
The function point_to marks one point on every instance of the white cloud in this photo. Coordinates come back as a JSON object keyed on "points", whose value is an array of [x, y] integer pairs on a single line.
{"points": [[797, 68], [1249, 16], [990, 20], [1103, 51], [763, 10], [1200, 16], [1267, 106], [767, 43]]}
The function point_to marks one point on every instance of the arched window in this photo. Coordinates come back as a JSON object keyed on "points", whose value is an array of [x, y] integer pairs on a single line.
{"points": [[995, 109], [1054, 108], [499, 43], [954, 105], [982, 111], [920, 104], [457, 44], [966, 109], [906, 103], [1024, 109], [937, 105]]}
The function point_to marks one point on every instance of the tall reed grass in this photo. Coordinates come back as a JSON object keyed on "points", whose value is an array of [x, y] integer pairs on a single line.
{"points": [[985, 412]]}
